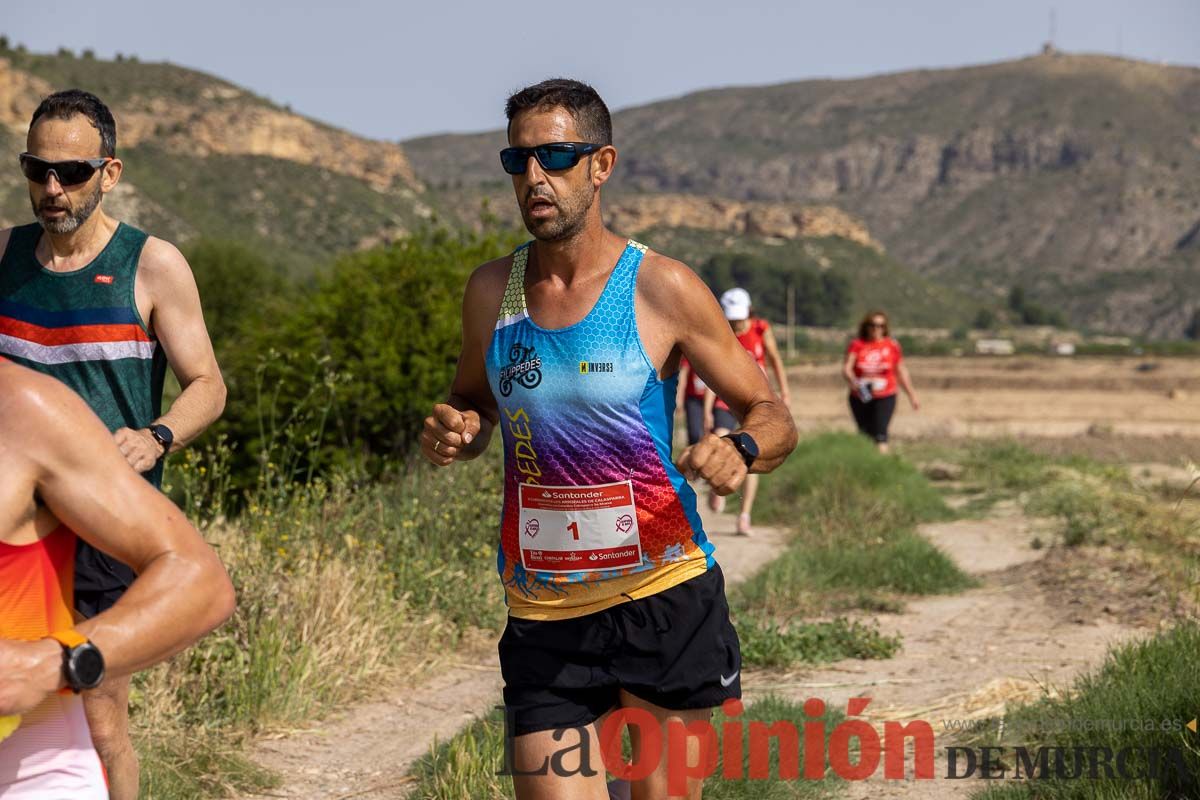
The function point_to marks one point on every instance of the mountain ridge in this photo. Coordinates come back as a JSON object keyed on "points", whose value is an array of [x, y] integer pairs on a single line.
{"points": [[205, 157], [1050, 172]]}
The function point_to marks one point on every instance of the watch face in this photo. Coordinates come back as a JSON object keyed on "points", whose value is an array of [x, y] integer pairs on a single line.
{"points": [[749, 445], [163, 434], [87, 665]]}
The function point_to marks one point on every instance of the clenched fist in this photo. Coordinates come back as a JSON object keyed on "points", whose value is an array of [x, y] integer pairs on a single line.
{"points": [[140, 449], [28, 672], [446, 433], [715, 460]]}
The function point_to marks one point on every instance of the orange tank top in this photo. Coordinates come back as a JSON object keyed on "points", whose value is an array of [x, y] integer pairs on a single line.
{"points": [[51, 753]]}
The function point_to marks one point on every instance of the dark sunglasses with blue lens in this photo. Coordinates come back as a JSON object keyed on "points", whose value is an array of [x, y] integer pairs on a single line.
{"points": [[551, 156]]}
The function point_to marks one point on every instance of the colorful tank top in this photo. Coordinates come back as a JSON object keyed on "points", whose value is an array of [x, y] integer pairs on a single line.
{"points": [[595, 513], [50, 755], [83, 327]]}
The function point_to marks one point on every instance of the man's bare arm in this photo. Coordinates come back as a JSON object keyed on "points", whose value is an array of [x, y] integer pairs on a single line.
{"points": [[182, 591], [684, 307], [167, 286]]}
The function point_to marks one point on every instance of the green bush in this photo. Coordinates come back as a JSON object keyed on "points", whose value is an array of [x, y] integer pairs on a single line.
{"points": [[237, 285], [350, 367]]}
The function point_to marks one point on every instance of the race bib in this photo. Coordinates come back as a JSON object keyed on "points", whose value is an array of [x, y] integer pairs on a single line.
{"points": [[575, 528]]}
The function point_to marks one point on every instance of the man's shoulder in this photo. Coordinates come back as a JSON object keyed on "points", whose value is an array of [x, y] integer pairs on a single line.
{"points": [[160, 254], [162, 268], [661, 274], [489, 278]]}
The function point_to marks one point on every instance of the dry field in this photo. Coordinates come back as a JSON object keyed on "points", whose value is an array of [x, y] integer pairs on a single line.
{"points": [[1136, 409]]}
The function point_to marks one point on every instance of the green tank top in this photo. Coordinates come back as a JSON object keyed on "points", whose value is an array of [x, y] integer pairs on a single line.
{"points": [[83, 327]]}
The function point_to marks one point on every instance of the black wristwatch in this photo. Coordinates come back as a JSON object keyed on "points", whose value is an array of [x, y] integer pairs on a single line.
{"points": [[162, 434], [745, 445], [83, 664]]}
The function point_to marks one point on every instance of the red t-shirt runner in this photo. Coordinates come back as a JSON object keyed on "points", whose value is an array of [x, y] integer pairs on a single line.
{"points": [[876, 363], [752, 340], [694, 386]]}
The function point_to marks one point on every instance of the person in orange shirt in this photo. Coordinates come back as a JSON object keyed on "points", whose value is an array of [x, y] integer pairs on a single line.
{"points": [[64, 475]]}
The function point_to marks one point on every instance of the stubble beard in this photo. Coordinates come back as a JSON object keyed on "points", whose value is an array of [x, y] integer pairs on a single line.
{"points": [[570, 220], [73, 219]]}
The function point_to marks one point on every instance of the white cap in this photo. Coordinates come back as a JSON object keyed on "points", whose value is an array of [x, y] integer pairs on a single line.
{"points": [[736, 303]]}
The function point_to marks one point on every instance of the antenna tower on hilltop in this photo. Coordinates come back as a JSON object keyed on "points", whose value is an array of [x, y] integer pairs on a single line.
{"points": [[1050, 48]]}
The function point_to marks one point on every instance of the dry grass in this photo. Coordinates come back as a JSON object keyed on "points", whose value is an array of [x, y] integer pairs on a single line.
{"points": [[339, 590]]}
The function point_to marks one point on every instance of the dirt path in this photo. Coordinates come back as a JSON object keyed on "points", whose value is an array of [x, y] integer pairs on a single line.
{"points": [[366, 752], [965, 656]]}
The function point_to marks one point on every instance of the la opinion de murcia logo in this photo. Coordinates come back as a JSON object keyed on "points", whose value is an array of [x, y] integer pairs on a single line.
{"points": [[525, 367]]}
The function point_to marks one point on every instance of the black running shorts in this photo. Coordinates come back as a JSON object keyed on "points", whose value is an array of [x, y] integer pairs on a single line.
{"points": [[100, 580], [676, 649]]}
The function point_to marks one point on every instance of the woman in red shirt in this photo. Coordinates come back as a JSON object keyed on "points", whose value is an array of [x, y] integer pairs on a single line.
{"points": [[754, 334], [874, 366]]}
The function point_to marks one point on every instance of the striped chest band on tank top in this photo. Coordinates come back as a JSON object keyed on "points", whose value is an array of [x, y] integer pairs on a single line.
{"points": [[595, 512], [83, 327]]}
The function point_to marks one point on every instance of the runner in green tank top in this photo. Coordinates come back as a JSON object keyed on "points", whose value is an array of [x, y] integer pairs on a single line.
{"points": [[104, 308]]}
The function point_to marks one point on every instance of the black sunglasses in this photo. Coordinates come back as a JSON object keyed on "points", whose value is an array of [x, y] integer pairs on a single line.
{"points": [[69, 173], [552, 156]]}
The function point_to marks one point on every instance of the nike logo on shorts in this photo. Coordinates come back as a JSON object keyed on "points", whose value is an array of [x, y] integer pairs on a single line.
{"points": [[725, 682]]}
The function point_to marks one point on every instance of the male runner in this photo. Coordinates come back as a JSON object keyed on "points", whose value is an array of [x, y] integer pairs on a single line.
{"points": [[104, 308], [62, 473], [571, 345]]}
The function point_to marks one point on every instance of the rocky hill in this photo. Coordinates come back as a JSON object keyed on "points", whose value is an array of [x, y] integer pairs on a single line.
{"points": [[1076, 177], [638, 213], [205, 157]]}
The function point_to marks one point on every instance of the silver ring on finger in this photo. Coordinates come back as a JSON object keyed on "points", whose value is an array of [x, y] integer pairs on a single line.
{"points": [[436, 444]]}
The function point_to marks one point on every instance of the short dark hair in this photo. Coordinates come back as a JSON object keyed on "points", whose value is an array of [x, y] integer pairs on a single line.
{"points": [[581, 101], [68, 103]]}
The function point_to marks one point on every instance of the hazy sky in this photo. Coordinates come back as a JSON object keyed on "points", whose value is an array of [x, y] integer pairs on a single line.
{"points": [[401, 69]]}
